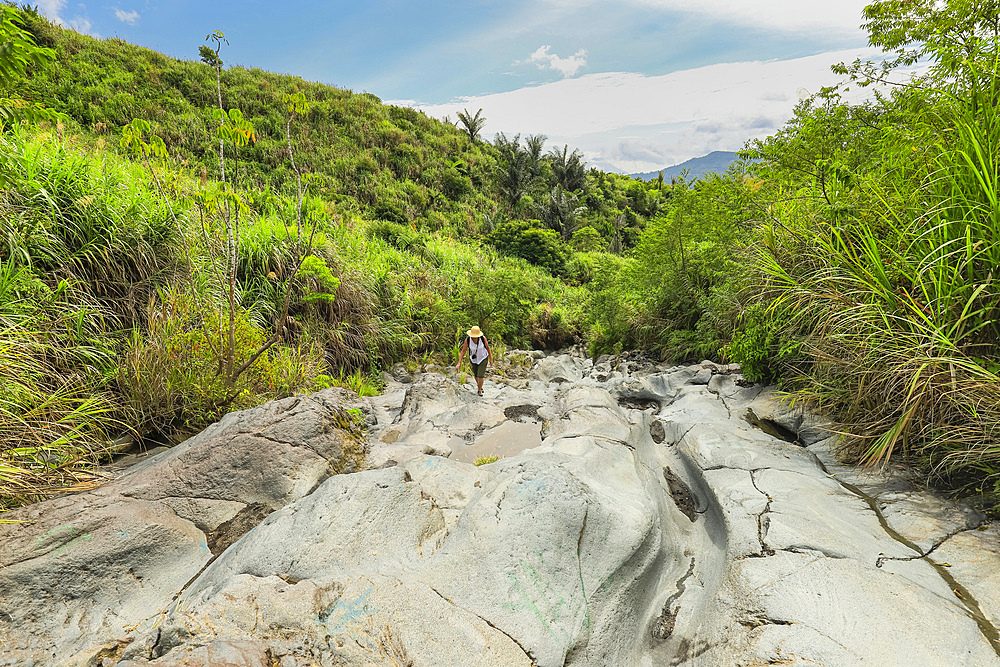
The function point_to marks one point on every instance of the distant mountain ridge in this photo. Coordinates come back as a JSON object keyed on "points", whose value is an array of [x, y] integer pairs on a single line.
{"points": [[716, 161]]}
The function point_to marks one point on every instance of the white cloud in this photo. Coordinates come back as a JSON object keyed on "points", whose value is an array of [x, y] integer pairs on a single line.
{"points": [[82, 24], [632, 122], [565, 66], [839, 16], [53, 9], [127, 17]]}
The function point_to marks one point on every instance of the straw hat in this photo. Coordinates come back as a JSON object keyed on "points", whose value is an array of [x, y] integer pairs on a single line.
{"points": [[475, 332]]}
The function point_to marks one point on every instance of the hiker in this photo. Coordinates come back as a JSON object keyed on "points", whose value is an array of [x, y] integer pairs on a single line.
{"points": [[479, 354]]}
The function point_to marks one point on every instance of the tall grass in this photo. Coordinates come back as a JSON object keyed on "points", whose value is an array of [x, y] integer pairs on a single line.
{"points": [[902, 302], [169, 374], [57, 415], [82, 243], [90, 221]]}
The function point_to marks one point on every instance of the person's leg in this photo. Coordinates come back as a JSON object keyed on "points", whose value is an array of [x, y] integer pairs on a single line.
{"points": [[479, 372]]}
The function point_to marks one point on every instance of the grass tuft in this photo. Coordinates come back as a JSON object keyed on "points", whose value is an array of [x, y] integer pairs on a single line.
{"points": [[485, 460]]}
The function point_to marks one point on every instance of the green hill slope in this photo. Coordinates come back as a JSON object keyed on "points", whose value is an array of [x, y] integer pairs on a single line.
{"points": [[141, 296], [384, 162]]}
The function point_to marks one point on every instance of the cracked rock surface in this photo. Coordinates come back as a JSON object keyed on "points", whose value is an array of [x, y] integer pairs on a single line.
{"points": [[639, 514], [81, 571]]}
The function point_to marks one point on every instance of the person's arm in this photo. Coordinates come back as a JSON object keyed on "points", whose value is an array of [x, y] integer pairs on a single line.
{"points": [[461, 353], [489, 350]]}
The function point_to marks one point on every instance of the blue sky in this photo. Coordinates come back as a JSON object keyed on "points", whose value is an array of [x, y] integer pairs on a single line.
{"points": [[636, 84]]}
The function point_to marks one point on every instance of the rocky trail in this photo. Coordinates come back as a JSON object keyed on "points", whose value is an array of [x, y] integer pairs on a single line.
{"points": [[639, 515]]}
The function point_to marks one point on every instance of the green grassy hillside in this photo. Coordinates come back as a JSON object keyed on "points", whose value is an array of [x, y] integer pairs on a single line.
{"points": [[853, 261], [139, 294], [383, 162]]}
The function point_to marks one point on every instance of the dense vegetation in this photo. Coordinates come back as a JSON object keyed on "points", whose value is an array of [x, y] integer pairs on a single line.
{"points": [[149, 283], [875, 274]]}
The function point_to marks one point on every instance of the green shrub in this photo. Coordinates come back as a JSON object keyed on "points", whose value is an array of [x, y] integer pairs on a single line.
{"points": [[402, 237], [549, 328], [529, 241], [173, 376], [587, 239], [455, 184], [760, 345]]}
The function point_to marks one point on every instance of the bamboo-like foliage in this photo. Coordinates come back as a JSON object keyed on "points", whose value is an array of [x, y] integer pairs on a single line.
{"points": [[903, 306]]}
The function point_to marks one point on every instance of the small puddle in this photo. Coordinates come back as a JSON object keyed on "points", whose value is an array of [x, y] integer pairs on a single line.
{"points": [[508, 439]]}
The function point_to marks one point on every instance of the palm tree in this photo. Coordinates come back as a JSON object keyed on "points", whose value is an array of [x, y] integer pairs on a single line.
{"points": [[514, 173], [534, 144], [561, 211], [473, 124], [568, 168]]}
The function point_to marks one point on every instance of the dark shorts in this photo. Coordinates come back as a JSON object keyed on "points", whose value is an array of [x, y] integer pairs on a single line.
{"points": [[479, 370]]}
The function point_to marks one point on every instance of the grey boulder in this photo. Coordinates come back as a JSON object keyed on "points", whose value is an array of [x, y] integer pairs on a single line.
{"points": [[81, 571]]}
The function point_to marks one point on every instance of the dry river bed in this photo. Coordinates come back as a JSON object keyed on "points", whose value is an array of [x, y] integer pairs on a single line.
{"points": [[638, 515]]}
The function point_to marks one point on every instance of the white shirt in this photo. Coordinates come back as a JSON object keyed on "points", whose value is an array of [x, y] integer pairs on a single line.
{"points": [[478, 352]]}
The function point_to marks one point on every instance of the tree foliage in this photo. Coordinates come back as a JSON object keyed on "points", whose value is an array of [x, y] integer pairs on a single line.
{"points": [[472, 124], [871, 287], [18, 53], [961, 38], [528, 240], [569, 169]]}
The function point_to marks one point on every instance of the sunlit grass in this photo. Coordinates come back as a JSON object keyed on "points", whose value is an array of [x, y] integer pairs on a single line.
{"points": [[58, 417]]}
